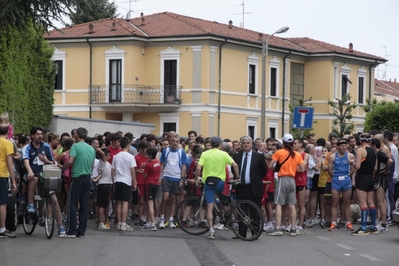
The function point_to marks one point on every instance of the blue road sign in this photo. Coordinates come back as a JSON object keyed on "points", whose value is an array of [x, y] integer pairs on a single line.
{"points": [[303, 117]]}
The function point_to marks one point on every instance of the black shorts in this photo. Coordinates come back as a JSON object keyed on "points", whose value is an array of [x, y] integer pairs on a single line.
{"points": [[320, 190], [381, 180], [270, 197], [315, 182], [150, 192], [4, 191], [364, 182], [103, 195], [123, 192], [300, 188], [327, 190]]}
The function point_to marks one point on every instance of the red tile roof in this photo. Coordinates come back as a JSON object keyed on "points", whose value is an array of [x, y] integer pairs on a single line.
{"points": [[169, 24], [387, 87]]}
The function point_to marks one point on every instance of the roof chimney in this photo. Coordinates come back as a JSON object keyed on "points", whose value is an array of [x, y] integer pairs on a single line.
{"points": [[91, 28], [260, 35], [113, 26], [142, 19], [395, 80], [230, 24], [350, 47]]}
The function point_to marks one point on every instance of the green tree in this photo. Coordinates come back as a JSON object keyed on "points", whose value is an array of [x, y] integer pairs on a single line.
{"points": [[342, 112], [26, 77], [297, 133], [384, 115], [370, 104], [91, 10]]}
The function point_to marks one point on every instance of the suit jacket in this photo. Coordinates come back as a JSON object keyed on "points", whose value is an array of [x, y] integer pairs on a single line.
{"points": [[257, 171]]}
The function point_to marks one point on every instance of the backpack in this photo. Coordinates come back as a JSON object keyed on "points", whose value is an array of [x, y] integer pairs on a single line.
{"points": [[180, 154]]}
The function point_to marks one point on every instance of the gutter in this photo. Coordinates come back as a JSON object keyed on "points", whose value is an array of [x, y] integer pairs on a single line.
{"points": [[91, 78], [371, 78], [284, 86], [220, 82]]}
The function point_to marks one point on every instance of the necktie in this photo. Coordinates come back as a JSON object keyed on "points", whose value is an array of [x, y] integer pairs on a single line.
{"points": [[244, 169]]}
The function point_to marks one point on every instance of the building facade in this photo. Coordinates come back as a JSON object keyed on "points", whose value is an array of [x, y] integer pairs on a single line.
{"points": [[181, 73]]}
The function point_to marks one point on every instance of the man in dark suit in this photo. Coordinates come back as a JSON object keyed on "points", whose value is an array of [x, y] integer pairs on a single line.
{"points": [[252, 168]]}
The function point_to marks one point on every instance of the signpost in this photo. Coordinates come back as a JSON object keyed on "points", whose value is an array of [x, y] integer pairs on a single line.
{"points": [[303, 117]]}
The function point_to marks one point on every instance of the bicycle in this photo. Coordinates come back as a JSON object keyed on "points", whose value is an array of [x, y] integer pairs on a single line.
{"points": [[243, 216], [43, 200]]}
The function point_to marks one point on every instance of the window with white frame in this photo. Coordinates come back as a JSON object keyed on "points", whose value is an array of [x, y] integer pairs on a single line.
{"points": [[274, 74], [59, 62], [345, 81], [361, 85], [273, 133], [170, 74], [253, 61], [114, 74], [252, 126], [167, 121]]}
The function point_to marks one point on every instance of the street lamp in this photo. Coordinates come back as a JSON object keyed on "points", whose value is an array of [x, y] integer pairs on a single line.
{"points": [[265, 44]]}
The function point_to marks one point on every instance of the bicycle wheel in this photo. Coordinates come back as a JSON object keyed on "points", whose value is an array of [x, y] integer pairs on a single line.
{"points": [[48, 215], [246, 220], [191, 216], [29, 221]]}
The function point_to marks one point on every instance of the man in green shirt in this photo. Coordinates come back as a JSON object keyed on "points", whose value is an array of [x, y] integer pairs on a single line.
{"points": [[81, 159], [213, 165]]}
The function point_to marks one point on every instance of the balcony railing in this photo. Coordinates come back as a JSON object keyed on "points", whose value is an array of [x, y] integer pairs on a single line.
{"points": [[135, 94]]}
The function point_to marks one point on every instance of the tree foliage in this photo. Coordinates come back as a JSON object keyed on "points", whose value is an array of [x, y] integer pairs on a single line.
{"points": [[370, 104], [91, 10], [342, 112], [26, 77], [383, 115], [297, 133]]}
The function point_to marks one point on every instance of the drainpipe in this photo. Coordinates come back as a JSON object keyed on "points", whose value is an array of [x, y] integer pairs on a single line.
{"points": [[220, 82], [371, 78], [91, 78], [283, 112]]}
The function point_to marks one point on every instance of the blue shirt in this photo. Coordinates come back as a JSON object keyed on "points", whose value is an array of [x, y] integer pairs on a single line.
{"points": [[29, 152]]}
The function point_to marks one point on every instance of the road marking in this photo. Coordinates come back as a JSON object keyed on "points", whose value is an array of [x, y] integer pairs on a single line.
{"points": [[345, 246], [324, 238], [309, 232], [370, 257]]}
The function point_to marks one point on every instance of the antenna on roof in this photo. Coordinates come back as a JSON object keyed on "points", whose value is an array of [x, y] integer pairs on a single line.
{"points": [[243, 13], [385, 65], [128, 16]]}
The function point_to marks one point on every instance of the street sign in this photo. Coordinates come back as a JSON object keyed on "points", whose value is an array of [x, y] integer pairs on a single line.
{"points": [[303, 117]]}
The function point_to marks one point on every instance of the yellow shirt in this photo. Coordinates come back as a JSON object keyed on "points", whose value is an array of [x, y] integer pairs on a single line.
{"points": [[6, 148], [214, 163]]}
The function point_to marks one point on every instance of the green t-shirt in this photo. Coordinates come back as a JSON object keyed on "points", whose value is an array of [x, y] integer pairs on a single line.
{"points": [[214, 163], [84, 157]]}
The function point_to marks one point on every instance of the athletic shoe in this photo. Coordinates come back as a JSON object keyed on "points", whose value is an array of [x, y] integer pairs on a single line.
{"points": [[107, 225], [308, 223], [221, 227], [211, 235], [102, 226], [299, 230], [332, 228], [184, 223], [288, 228], [119, 227], [157, 220], [134, 216], [172, 224], [202, 225], [275, 232], [126, 227], [191, 223], [382, 228], [373, 230], [61, 231], [269, 227], [166, 224], [327, 224], [22, 199], [7, 234], [349, 227], [264, 227], [66, 236], [152, 228], [360, 232], [293, 232], [323, 223], [162, 224], [341, 225], [144, 227], [31, 209]]}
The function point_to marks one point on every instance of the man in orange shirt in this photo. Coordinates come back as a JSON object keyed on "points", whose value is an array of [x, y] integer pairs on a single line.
{"points": [[291, 162]]}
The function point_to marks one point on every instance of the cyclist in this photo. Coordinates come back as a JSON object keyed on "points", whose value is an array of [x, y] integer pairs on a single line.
{"points": [[213, 165], [34, 156]]}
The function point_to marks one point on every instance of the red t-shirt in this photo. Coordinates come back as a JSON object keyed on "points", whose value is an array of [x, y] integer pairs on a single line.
{"points": [[301, 178], [268, 187], [141, 161], [112, 152], [190, 176], [153, 170]]}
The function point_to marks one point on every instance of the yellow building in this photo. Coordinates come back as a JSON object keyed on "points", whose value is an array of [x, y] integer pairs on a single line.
{"points": [[182, 73]]}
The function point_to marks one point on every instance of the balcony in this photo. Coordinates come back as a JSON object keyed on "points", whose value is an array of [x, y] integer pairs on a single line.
{"points": [[135, 95]]}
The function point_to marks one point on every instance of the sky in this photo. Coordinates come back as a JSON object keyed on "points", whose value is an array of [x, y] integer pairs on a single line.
{"points": [[372, 26]]}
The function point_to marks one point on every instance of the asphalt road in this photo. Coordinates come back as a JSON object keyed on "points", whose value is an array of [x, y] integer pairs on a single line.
{"points": [[174, 247]]}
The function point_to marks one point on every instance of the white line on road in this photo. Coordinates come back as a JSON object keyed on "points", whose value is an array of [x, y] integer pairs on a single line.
{"points": [[324, 238], [345, 246], [370, 257]]}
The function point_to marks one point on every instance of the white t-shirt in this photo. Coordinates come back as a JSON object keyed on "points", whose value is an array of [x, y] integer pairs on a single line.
{"points": [[395, 156], [122, 163], [105, 170], [95, 171]]}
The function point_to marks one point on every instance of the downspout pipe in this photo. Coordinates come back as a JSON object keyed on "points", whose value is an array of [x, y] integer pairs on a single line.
{"points": [[284, 87], [220, 82], [91, 77], [371, 78]]}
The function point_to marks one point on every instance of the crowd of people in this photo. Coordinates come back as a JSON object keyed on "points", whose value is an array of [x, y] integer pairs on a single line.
{"points": [[115, 179]]}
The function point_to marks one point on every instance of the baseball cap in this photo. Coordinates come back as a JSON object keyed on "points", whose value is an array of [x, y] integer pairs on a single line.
{"points": [[288, 138], [216, 141]]}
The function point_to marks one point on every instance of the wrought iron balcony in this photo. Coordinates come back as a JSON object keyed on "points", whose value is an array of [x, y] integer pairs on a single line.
{"points": [[135, 94]]}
